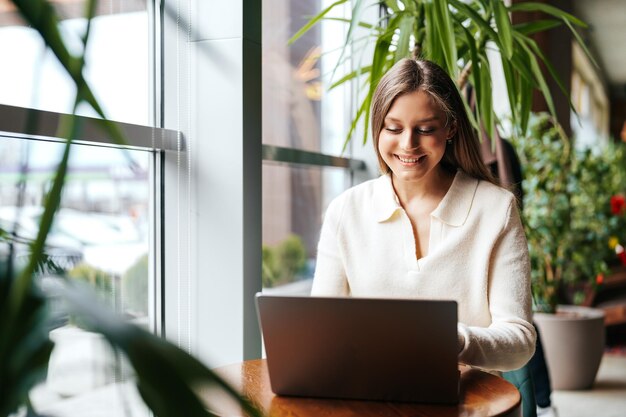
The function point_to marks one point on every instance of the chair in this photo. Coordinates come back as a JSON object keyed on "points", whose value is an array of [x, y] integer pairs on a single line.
{"points": [[523, 381]]}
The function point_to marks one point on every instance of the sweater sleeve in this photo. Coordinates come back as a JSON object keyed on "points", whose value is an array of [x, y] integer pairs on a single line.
{"points": [[330, 275], [509, 342]]}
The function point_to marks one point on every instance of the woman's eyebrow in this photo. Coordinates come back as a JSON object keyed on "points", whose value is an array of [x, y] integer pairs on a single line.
{"points": [[428, 119]]}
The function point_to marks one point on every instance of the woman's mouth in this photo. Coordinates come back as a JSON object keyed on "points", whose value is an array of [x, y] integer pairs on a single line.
{"points": [[411, 159]]}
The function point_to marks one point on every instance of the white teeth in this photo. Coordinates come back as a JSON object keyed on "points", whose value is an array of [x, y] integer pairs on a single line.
{"points": [[408, 161]]}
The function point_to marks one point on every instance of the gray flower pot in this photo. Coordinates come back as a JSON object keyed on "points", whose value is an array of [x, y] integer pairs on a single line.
{"points": [[573, 341]]}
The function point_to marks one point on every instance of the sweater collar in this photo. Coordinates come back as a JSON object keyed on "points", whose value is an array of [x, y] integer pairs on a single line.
{"points": [[455, 206], [385, 199], [452, 210]]}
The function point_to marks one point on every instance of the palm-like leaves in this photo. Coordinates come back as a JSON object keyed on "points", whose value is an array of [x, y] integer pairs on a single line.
{"points": [[24, 344], [168, 378], [456, 35]]}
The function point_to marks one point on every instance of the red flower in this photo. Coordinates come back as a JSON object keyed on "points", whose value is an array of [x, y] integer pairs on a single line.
{"points": [[600, 278], [618, 204]]}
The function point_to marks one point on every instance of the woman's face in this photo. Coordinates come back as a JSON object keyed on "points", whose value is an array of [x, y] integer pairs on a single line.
{"points": [[413, 139]]}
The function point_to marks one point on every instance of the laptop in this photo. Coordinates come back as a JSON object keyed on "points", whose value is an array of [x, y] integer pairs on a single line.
{"points": [[361, 348]]}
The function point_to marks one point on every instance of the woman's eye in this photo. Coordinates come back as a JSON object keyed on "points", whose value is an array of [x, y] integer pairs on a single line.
{"points": [[393, 129], [426, 132]]}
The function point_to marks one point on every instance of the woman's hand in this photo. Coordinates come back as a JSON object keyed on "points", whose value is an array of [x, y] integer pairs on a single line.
{"points": [[461, 339]]}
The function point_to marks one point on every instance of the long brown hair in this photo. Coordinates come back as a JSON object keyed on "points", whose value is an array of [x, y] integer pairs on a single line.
{"points": [[409, 75]]}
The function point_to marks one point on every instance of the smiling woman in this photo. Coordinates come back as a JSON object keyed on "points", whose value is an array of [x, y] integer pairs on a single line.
{"points": [[434, 225], [436, 101], [414, 137], [414, 158]]}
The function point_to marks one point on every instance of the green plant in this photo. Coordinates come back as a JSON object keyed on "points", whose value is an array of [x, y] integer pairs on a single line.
{"points": [[98, 280], [269, 274], [282, 263], [167, 378], [135, 287], [593, 223], [455, 34], [566, 211]]}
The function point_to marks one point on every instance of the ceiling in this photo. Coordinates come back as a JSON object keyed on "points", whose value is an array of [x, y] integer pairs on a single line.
{"points": [[607, 32]]}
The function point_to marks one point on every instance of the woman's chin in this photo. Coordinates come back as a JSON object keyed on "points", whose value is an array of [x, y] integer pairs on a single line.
{"points": [[410, 175]]}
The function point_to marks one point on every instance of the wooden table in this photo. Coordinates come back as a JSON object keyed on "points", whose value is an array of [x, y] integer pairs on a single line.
{"points": [[482, 394]]}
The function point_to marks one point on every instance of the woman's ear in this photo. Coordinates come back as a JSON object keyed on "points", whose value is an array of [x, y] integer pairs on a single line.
{"points": [[452, 130]]}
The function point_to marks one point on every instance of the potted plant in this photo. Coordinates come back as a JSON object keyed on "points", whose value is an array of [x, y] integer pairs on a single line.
{"points": [[455, 34], [568, 222]]}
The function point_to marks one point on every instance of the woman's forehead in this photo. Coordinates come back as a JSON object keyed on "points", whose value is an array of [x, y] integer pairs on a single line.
{"points": [[416, 105]]}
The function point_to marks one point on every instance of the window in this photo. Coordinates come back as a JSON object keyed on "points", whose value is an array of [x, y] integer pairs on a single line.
{"points": [[105, 232], [202, 78], [304, 127], [591, 126], [100, 237], [293, 219], [117, 57]]}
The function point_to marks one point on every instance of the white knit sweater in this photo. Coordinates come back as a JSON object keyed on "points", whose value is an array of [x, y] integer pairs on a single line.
{"points": [[478, 256]]}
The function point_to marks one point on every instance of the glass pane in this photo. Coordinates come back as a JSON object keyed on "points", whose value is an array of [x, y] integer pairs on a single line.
{"points": [[294, 200], [100, 238], [298, 110], [117, 60]]}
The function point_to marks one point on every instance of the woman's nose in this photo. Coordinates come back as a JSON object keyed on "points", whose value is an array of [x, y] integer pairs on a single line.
{"points": [[409, 140]]}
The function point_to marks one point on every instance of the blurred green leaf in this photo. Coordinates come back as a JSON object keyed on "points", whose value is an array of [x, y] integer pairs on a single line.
{"points": [[359, 24], [539, 78], [504, 28], [482, 23], [475, 73], [169, 389], [304, 29], [379, 66], [546, 8], [582, 44], [406, 28], [525, 101], [486, 99], [555, 76], [442, 22], [393, 5], [529, 28], [511, 86], [350, 76]]}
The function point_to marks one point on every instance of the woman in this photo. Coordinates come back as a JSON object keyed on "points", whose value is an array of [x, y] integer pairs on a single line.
{"points": [[434, 225]]}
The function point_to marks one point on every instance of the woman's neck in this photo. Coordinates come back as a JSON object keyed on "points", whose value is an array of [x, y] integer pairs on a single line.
{"points": [[433, 186]]}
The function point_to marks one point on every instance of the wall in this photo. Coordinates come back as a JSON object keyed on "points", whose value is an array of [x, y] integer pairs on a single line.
{"points": [[212, 213]]}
